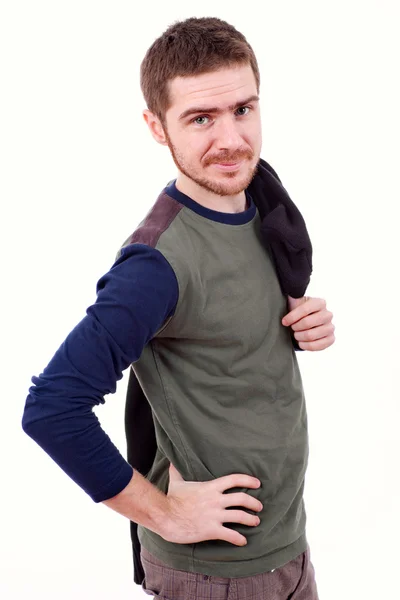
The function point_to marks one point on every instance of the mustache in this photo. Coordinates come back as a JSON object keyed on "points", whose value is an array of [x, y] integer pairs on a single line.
{"points": [[229, 157]]}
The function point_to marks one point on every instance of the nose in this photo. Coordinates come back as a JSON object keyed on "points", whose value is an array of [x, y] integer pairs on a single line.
{"points": [[227, 133]]}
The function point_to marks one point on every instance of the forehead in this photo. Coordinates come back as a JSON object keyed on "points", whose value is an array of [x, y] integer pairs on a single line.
{"points": [[220, 88]]}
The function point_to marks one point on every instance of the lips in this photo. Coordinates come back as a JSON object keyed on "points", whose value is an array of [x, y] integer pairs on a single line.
{"points": [[228, 166]]}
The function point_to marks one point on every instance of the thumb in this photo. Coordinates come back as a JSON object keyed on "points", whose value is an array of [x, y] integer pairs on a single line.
{"points": [[174, 473], [293, 303]]}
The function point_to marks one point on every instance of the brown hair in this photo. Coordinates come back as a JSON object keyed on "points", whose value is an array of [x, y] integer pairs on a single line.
{"points": [[191, 47]]}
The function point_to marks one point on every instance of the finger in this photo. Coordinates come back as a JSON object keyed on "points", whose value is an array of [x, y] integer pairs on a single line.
{"points": [[312, 305], [316, 333], [230, 535], [318, 344], [240, 516], [321, 317], [240, 499], [235, 480]]}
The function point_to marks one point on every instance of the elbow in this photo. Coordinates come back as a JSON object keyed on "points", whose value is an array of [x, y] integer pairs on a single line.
{"points": [[33, 417], [28, 424]]}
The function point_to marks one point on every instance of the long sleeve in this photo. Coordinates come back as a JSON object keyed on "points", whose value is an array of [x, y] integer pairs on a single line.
{"points": [[134, 299]]}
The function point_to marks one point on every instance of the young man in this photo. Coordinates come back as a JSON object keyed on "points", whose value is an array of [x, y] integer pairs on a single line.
{"points": [[193, 303]]}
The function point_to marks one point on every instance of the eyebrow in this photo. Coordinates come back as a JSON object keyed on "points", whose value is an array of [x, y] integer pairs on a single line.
{"points": [[214, 109]]}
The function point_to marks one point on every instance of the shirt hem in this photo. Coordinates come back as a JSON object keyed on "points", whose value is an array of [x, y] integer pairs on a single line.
{"points": [[246, 568]]}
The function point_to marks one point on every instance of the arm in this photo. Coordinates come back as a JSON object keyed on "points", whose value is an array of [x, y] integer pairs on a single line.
{"points": [[141, 502], [133, 300]]}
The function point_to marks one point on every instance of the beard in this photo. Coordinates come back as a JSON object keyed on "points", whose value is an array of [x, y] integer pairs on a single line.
{"points": [[232, 185]]}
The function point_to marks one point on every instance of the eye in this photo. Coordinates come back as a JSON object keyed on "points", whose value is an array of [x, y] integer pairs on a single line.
{"points": [[243, 108], [198, 119], [202, 120]]}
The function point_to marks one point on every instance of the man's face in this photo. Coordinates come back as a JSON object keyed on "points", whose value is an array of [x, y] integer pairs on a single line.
{"points": [[213, 129]]}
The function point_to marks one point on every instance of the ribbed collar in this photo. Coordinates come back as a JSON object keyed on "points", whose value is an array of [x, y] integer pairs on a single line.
{"points": [[214, 215]]}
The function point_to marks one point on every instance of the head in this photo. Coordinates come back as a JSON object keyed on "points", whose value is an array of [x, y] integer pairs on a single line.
{"points": [[200, 81]]}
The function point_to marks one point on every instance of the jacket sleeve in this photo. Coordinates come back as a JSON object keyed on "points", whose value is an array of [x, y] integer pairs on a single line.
{"points": [[134, 298], [295, 342]]}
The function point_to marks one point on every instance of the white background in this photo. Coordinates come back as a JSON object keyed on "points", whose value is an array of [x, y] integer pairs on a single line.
{"points": [[79, 170]]}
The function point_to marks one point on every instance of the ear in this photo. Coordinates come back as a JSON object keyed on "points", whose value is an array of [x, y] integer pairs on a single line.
{"points": [[156, 129]]}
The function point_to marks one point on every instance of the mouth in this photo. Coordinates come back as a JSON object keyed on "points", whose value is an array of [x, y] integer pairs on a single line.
{"points": [[225, 166]]}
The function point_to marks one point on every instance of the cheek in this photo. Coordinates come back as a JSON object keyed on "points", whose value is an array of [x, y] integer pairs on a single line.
{"points": [[253, 132], [254, 136], [197, 147]]}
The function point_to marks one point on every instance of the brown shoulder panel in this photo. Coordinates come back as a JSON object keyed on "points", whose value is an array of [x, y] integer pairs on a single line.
{"points": [[157, 221]]}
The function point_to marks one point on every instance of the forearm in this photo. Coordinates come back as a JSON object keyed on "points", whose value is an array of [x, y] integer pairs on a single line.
{"points": [[142, 502]]}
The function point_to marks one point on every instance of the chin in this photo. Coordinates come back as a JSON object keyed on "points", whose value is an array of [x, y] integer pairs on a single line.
{"points": [[222, 189], [231, 185]]}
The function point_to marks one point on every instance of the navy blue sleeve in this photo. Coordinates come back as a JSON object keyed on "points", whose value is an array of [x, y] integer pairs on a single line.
{"points": [[134, 298]]}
